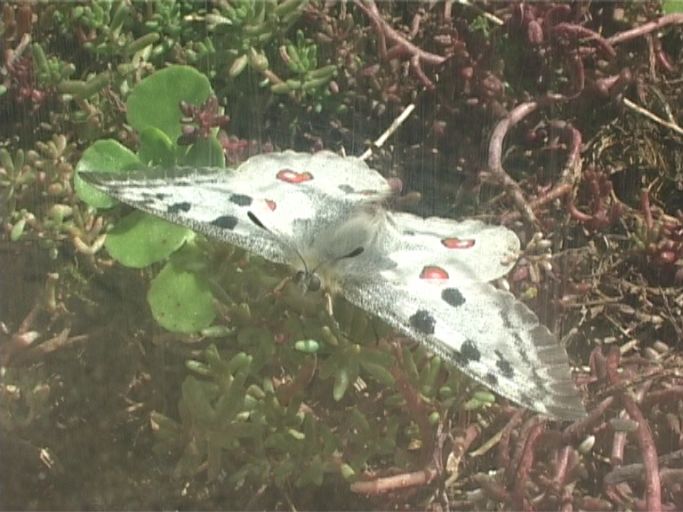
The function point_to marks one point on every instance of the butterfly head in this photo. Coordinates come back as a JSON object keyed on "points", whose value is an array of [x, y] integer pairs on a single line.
{"points": [[307, 281], [322, 275]]}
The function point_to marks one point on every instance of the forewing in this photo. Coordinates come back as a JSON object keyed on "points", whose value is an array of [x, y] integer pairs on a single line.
{"points": [[264, 206], [205, 200], [486, 332], [470, 248], [340, 178]]}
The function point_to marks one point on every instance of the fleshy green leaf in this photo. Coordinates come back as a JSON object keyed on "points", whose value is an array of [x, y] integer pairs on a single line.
{"points": [[105, 156], [181, 301], [205, 152], [138, 240], [155, 100], [156, 148]]}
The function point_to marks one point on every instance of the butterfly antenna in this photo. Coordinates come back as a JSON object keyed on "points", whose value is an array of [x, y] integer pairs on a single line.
{"points": [[282, 240], [356, 252]]}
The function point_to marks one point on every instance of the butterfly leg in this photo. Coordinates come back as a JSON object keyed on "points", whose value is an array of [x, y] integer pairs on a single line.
{"points": [[281, 285], [329, 306]]}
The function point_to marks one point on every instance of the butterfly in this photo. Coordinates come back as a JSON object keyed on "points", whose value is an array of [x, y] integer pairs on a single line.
{"points": [[428, 278]]}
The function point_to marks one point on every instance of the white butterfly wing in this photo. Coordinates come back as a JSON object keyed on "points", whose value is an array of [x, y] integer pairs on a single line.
{"points": [[436, 294], [281, 191], [425, 277], [481, 251], [197, 199], [325, 173], [486, 332]]}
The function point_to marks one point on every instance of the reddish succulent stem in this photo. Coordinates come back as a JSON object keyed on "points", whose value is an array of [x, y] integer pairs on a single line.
{"points": [[645, 206], [579, 31], [392, 35], [402, 47], [526, 461], [561, 467], [462, 443], [504, 444], [495, 162], [395, 482], [577, 430], [569, 175], [417, 408], [646, 28], [653, 491], [672, 395]]}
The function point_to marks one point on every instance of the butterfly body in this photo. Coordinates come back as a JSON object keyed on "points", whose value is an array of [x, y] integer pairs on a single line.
{"points": [[324, 215]]}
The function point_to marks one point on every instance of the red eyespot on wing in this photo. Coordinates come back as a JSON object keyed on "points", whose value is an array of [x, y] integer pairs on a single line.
{"points": [[290, 176], [271, 204], [457, 243], [433, 272]]}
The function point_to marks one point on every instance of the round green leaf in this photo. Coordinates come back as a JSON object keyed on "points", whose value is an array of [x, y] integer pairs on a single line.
{"points": [[103, 156], [156, 148], [155, 100], [138, 239], [205, 153], [181, 301]]}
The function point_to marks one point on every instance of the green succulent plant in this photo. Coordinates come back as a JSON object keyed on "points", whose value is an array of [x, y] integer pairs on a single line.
{"points": [[232, 417], [139, 240]]}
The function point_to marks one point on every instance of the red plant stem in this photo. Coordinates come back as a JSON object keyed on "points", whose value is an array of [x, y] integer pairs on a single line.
{"points": [[579, 31], [415, 25], [402, 47], [462, 443], [567, 505], [395, 482], [645, 205], [495, 162], [577, 73], [492, 488], [646, 28], [610, 85], [370, 9], [570, 174], [669, 396], [561, 467], [504, 444], [653, 490], [526, 461], [577, 430], [618, 444], [553, 15], [417, 408]]}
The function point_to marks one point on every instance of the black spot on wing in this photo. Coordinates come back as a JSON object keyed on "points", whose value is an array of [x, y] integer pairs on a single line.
{"points": [[539, 381], [183, 206], [346, 188], [467, 353], [492, 379], [423, 321], [241, 199], [504, 366], [160, 196], [525, 399], [470, 351], [225, 221], [521, 347], [453, 297]]}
